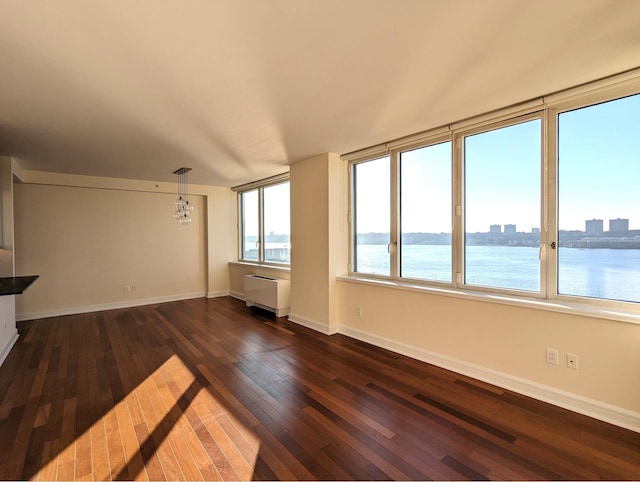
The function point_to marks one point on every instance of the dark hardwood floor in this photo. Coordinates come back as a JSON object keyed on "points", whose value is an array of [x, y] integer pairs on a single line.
{"points": [[207, 389]]}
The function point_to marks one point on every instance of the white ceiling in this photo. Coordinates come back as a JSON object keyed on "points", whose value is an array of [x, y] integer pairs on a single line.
{"points": [[239, 89]]}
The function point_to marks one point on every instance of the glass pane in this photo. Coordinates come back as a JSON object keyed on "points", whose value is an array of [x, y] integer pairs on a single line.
{"points": [[277, 226], [425, 209], [502, 207], [599, 201], [372, 217], [249, 203]]}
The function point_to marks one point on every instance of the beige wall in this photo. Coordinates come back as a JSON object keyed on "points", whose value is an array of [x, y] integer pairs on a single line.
{"points": [[309, 243], [318, 239], [87, 243], [221, 238]]}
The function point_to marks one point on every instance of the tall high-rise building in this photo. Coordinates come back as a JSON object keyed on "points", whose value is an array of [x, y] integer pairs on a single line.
{"points": [[594, 226], [495, 229], [618, 225], [509, 229]]}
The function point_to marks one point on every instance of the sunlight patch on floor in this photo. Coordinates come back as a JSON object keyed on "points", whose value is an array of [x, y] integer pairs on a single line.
{"points": [[167, 428]]}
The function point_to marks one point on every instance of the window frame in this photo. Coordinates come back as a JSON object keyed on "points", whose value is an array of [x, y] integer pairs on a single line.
{"points": [[258, 186], [353, 217], [459, 221], [589, 99], [547, 109], [393, 247]]}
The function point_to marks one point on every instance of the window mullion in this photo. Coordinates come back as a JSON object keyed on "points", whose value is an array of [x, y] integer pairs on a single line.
{"points": [[394, 250], [548, 233], [457, 246], [241, 228], [261, 255]]}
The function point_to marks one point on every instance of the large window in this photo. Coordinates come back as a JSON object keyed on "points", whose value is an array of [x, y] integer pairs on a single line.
{"points": [[371, 217], [425, 214], [502, 207], [264, 224], [250, 245], [401, 217], [542, 203], [599, 200]]}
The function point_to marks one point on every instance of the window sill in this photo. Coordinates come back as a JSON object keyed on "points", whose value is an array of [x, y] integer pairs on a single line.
{"points": [[579, 309], [276, 267]]}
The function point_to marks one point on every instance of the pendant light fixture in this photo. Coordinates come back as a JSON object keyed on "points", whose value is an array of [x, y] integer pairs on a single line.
{"points": [[183, 206]]}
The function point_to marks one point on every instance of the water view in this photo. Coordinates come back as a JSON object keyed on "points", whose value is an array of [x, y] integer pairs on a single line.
{"points": [[595, 273]]}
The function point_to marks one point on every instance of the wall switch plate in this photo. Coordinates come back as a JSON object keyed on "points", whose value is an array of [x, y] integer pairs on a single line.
{"points": [[552, 356]]}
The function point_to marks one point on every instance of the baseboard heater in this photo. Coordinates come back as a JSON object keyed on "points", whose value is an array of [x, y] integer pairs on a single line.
{"points": [[268, 293]]}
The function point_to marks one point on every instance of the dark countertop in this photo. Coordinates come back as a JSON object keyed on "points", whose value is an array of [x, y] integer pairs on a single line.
{"points": [[15, 285]]}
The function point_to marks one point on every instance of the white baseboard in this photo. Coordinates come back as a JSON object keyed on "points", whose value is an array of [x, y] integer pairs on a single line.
{"points": [[237, 295], [576, 403], [314, 325], [74, 310], [4, 352], [217, 294]]}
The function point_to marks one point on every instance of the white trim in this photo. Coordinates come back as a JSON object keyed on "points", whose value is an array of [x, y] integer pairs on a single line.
{"points": [[277, 267], [500, 115], [312, 324], [576, 403], [7, 348], [74, 310], [433, 136], [217, 294], [366, 154], [237, 295], [269, 181], [623, 80]]}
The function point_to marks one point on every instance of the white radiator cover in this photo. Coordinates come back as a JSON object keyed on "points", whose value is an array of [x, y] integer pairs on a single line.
{"points": [[268, 293]]}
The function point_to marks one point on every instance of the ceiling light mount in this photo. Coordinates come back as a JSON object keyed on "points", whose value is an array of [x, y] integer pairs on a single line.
{"points": [[184, 207]]}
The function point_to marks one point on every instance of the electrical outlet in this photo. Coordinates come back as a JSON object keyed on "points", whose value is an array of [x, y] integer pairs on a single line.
{"points": [[359, 310], [572, 361], [127, 288], [552, 356], [133, 287]]}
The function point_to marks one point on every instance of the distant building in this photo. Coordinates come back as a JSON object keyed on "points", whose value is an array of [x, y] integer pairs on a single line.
{"points": [[509, 229], [618, 225], [594, 226], [535, 230], [495, 229]]}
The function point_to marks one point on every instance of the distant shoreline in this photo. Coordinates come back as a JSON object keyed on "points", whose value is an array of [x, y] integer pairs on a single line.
{"points": [[567, 239]]}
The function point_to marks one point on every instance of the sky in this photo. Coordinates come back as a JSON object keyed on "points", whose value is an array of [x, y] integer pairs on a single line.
{"points": [[599, 164], [276, 210], [598, 176]]}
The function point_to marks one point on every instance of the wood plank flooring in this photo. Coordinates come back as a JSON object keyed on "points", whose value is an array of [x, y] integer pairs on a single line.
{"points": [[208, 389]]}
